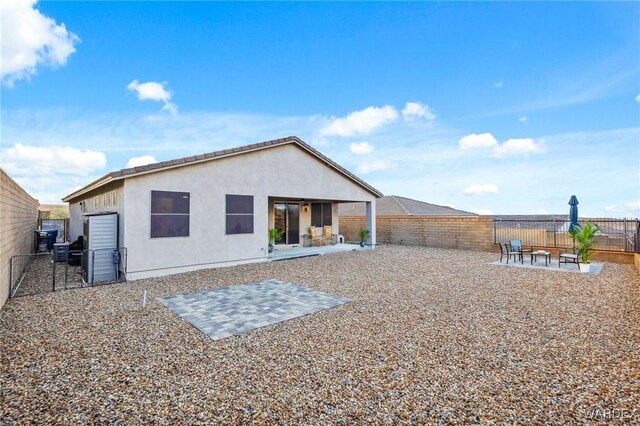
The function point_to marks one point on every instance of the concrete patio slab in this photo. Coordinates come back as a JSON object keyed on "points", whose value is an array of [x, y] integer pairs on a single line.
{"points": [[233, 310], [595, 268], [297, 252]]}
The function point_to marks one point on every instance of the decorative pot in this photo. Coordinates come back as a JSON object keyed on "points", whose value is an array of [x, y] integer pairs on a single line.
{"points": [[361, 243], [584, 267], [270, 248]]}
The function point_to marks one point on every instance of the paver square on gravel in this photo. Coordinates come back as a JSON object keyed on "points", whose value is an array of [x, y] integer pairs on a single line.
{"points": [[225, 312]]}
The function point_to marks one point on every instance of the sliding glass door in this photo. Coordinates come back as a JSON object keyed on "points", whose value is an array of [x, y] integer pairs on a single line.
{"points": [[286, 219]]}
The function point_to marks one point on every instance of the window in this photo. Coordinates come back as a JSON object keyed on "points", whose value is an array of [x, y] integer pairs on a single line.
{"points": [[239, 214], [169, 214], [81, 206], [115, 198], [321, 214], [97, 201]]}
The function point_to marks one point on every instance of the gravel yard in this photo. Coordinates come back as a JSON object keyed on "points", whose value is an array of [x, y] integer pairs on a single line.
{"points": [[431, 336]]}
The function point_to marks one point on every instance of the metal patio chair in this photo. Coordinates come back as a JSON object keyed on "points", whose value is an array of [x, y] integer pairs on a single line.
{"points": [[516, 245], [505, 250]]}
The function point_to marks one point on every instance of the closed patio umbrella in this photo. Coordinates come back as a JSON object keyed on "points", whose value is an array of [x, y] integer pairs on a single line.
{"points": [[573, 213]]}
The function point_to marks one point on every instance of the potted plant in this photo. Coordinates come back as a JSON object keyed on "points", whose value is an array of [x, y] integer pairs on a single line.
{"points": [[273, 234], [585, 240], [363, 233]]}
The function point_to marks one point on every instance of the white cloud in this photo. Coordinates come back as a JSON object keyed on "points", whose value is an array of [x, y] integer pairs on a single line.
{"points": [[141, 161], [524, 119], [484, 212], [373, 166], [481, 189], [519, 147], [638, 98], [511, 147], [154, 91], [476, 141], [498, 84], [414, 111], [361, 148], [30, 39], [361, 122], [26, 160]]}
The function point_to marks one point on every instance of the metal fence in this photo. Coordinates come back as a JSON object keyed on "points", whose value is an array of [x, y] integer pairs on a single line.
{"points": [[31, 274], [614, 234]]}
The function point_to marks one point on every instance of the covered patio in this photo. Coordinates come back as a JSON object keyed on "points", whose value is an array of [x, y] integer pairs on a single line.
{"points": [[312, 222]]}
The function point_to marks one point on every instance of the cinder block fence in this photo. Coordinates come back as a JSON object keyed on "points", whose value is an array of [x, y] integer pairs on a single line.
{"points": [[458, 232], [18, 219]]}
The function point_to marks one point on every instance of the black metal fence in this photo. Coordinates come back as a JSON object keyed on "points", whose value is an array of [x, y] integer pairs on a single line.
{"points": [[45, 272], [614, 235]]}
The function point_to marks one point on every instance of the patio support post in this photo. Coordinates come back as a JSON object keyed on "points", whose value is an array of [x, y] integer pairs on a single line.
{"points": [[371, 223]]}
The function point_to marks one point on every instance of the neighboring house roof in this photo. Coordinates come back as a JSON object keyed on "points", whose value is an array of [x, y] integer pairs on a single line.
{"points": [[394, 205], [197, 159]]}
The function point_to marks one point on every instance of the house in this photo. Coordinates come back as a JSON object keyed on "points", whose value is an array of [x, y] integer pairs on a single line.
{"points": [[214, 209], [395, 205], [401, 220]]}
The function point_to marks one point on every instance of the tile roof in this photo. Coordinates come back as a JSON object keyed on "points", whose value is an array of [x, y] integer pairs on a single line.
{"points": [[394, 205], [185, 161]]}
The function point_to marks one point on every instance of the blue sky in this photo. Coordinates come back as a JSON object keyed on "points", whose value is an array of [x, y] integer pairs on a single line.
{"points": [[488, 107]]}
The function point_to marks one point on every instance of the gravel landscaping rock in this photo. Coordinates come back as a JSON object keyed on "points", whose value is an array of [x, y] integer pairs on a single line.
{"points": [[431, 336]]}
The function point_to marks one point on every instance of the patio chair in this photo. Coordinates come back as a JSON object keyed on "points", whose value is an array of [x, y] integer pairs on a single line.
{"points": [[505, 250], [330, 238], [516, 245], [316, 240], [567, 257]]}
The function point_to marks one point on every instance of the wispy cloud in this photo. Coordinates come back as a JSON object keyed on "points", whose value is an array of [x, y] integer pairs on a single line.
{"points": [[524, 119], [31, 39], [485, 142], [361, 148], [414, 111], [498, 84], [154, 91], [477, 141], [28, 160], [361, 122], [523, 147]]}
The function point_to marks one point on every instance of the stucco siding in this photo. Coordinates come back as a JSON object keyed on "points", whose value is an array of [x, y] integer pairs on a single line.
{"points": [[282, 173]]}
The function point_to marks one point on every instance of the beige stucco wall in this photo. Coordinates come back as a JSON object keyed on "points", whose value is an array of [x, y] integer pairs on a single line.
{"points": [[18, 221], [278, 173]]}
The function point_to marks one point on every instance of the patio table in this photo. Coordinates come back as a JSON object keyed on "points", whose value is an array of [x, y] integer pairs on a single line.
{"points": [[546, 254]]}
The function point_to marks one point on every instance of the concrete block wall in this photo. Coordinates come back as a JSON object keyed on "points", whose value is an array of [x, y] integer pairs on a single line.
{"points": [[458, 232], [18, 221]]}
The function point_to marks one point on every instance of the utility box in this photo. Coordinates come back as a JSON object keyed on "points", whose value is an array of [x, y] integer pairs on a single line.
{"points": [[100, 234], [60, 252]]}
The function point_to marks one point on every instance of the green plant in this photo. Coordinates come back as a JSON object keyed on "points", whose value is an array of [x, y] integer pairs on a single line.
{"points": [[363, 233], [274, 234], [585, 239]]}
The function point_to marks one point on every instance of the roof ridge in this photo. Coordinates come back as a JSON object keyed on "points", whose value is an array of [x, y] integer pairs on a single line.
{"points": [[150, 168], [401, 205], [432, 204]]}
